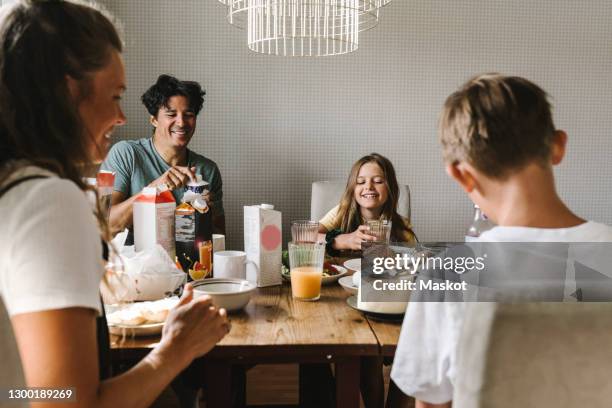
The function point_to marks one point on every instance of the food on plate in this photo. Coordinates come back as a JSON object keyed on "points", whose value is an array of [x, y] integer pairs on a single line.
{"points": [[127, 317], [139, 313], [285, 271], [329, 269], [156, 312], [199, 271]]}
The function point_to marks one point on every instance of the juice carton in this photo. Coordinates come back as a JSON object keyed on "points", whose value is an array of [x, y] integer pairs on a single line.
{"points": [[263, 244], [105, 181], [154, 219], [194, 230]]}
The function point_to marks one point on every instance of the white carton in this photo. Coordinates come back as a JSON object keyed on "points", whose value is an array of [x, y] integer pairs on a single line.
{"points": [[153, 215], [263, 244]]}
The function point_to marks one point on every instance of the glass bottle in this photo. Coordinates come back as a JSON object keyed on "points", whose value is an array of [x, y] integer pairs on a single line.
{"points": [[480, 224]]}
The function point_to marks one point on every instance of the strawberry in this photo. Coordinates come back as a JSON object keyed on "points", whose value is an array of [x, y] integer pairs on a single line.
{"points": [[331, 269]]}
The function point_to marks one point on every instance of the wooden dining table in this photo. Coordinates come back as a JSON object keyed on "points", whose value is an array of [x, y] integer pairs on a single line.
{"points": [[275, 328]]}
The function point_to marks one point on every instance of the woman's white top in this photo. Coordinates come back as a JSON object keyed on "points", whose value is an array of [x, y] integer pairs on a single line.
{"points": [[50, 248]]}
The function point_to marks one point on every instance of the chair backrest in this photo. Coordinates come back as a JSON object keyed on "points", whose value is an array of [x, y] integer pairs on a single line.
{"points": [[11, 374], [535, 355], [327, 194]]}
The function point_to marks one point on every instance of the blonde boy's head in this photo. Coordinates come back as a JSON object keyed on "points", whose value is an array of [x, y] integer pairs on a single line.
{"points": [[498, 124]]}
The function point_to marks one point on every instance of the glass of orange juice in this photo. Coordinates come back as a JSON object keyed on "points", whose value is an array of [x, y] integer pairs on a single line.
{"points": [[306, 268]]}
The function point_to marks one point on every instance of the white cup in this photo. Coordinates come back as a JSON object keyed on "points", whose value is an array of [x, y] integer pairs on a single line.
{"points": [[231, 264], [218, 242]]}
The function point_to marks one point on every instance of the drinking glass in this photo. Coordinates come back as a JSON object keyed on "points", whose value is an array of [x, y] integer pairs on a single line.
{"points": [[381, 229], [304, 231], [306, 268]]}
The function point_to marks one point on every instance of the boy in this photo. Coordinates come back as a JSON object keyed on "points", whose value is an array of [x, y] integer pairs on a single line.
{"points": [[499, 143]]}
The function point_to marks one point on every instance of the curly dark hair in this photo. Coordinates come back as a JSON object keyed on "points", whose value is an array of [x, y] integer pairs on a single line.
{"points": [[168, 86]]}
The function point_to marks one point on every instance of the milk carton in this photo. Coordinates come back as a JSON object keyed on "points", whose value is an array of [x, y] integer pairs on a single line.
{"points": [[154, 219], [263, 244]]}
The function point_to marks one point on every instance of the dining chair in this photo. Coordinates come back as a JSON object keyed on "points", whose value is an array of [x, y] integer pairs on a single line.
{"points": [[535, 355], [11, 375], [327, 194]]}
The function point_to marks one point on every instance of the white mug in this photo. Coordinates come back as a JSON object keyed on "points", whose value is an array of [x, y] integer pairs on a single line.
{"points": [[218, 242], [231, 264]]}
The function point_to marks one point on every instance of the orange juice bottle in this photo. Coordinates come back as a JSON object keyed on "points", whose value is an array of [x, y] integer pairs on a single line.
{"points": [[206, 257]]}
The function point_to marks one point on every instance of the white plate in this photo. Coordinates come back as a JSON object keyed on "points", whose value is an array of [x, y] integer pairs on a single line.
{"points": [[352, 302], [347, 284], [326, 280], [353, 264], [139, 330], [144, 329]]}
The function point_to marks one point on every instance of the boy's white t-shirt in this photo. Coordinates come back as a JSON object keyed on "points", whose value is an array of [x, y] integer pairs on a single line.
{"points": [[424, 363], [50, 247]]}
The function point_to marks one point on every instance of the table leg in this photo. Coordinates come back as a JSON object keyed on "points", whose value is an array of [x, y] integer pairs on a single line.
{"points": [[347, 383], [218, 384]]}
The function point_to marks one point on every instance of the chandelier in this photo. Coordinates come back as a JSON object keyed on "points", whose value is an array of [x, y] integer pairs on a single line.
{"points": [[303, 27]]}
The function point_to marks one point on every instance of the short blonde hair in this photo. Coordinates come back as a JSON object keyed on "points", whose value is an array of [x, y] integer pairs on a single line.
{"points": [[497, 124]]}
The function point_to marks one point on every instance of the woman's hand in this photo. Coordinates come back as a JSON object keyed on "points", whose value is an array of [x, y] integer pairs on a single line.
{"points": [[353, 240], [194, 326], [175, 177]]}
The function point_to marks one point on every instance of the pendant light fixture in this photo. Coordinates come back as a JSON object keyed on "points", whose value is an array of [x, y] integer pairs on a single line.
{"points": [[303, 27]]}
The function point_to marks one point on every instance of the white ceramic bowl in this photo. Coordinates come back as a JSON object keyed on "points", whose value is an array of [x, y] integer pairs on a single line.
{"points": [[157, 286], [230, 294], [129, 287], [353, 264], [347, 284]]}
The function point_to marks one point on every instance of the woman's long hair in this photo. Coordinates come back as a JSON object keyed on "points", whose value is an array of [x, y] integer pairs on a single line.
{"points": [[348, 211], [41, 44]]}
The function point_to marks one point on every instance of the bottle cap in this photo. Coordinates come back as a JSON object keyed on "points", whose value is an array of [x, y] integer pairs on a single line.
{"points": [[151, 190]]}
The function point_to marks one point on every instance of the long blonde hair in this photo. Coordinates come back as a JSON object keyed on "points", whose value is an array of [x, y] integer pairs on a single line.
{"points": [[348, 211]]}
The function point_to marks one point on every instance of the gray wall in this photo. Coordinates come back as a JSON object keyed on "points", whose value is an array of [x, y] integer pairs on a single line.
{"points": [[276, 124]]}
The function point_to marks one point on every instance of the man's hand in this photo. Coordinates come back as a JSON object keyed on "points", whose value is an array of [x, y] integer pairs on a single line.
{"points": [[175, 177]]}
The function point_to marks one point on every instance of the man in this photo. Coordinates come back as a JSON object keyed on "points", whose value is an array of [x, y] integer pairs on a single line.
{"points": [[500, 145], [164, 157]]}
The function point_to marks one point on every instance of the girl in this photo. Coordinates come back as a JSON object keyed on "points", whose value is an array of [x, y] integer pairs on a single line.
{"points": [[61, 80], [371, 193]]}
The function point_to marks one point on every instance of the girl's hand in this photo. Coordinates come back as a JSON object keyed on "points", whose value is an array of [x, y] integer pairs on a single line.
{"points": [[194, 326], [353, 240]]}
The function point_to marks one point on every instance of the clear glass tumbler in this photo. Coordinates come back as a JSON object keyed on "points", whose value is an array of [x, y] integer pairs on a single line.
{"points": [[306, 268], [304, 231], [381, 229]]}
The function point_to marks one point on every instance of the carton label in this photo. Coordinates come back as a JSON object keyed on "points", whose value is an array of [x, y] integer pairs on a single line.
{"points": [[185, 228], [164, 213]]}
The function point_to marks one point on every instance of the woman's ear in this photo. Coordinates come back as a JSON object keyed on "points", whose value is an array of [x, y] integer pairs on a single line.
{"points": [[557, 151], [153, 121], [463, 175]]}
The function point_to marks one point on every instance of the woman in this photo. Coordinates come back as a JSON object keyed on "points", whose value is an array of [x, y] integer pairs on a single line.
{"points": [[371, 193], [61, 80]]}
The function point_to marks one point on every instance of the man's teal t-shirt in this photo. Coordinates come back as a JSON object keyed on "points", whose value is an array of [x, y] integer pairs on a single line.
{"points": [[136, 163]]}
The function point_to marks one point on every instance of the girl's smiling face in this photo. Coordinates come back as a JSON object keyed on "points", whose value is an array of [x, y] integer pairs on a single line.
{"points": [[371, 188]]}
